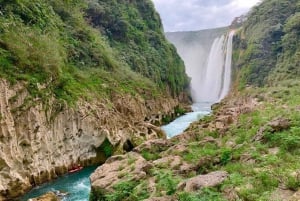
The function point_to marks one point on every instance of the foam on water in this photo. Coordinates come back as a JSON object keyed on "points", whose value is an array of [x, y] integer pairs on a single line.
{"points": [[82, 185], [76, 184]]}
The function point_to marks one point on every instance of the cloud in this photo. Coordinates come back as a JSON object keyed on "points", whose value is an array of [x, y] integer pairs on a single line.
{"points": [[179, 15]]}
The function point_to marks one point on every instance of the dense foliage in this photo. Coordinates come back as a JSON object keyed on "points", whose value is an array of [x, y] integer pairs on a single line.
{"points": [[134, 29], [268, 43], [58, 44]]}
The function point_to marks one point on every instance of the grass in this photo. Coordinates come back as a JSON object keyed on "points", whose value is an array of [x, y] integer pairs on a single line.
{"points": [[127, 190], [149, 156], [166, 182], [205, 194]]}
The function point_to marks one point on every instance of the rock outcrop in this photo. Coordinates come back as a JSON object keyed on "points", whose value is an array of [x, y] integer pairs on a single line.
{"points": [[40, 140], [273, 126], [116, 168], [47, 197], [209, 180]]}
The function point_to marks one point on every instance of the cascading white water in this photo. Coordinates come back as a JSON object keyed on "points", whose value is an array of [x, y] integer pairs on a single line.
{"points": [[227, 68], [210, 72], [217, 74]]}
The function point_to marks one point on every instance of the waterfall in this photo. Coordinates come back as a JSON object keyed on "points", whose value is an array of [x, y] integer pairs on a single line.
{"points": [[207, 56], [227, 68], [217, 71]]}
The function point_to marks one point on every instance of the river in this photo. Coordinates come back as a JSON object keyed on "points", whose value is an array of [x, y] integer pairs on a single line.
{"points": [[78, 184], [181, 123]]}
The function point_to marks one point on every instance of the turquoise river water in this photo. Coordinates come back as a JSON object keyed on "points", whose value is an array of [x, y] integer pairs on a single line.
{"points": [[181, 123], [78, 184]]}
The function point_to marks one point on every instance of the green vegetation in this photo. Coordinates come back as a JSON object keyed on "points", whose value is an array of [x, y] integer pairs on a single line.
{"points": [[258, 167], [150, 155], [122, 191], [166, 182], [267, 44], [107, 148], [93, 49], [61, 46], [134, 29], [204, 195], [128, 190]]}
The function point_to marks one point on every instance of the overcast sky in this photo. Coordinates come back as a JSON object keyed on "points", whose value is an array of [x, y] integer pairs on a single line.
{"points": [[187, 15]]}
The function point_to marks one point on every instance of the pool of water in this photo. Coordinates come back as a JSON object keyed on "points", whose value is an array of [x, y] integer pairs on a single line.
{"points": [[76, 184], [177, 126]]}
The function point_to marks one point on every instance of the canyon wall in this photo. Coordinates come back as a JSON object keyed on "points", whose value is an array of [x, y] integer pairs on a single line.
{"points": [[40, 141]]}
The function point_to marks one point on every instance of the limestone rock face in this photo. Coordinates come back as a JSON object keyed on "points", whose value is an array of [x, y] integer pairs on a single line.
{"points": [[116, 169], [47, 197], [40, 140], [209, 180]]}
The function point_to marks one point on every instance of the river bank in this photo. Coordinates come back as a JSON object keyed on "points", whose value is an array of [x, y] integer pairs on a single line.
{"points": [[77, 184]]}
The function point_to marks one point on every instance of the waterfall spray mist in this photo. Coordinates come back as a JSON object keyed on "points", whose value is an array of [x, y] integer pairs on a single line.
{"points": [[207, 55]]}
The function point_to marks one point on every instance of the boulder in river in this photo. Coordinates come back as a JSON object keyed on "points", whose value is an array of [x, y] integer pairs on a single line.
{"points": [[50, 196]]}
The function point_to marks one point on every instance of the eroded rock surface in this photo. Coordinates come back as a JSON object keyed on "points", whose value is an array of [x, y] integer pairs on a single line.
{"points": [[117, 167], [47, 197], [40, 140]]}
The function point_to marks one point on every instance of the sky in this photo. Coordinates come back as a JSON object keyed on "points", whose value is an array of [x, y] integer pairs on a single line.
{"points": [[188, 15]]}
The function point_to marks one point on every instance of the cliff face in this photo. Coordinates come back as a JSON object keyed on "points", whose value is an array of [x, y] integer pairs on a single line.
{"points": [[42, 141]]}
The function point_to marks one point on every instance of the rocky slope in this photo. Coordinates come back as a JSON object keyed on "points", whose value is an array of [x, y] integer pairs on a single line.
{"points": [[248, 149], [162, 167]]}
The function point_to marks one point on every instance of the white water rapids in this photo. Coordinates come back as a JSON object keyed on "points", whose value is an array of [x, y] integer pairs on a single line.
{"points": [[210, 82]]}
